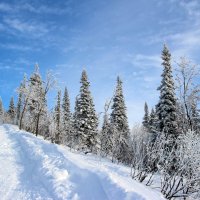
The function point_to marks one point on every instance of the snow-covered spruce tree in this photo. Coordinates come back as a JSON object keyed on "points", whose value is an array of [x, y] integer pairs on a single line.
{"points": [[76, 135], [105, 136], [67, 127], [119, 120], [166, 109], [57, 118], [145, 121], [1, 112], [11, 111], [85, 119], [19, 105], [152, 125]]}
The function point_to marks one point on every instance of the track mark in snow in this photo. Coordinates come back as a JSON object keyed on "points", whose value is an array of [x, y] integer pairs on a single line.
{"points": [[39, 170], [10, 169]]}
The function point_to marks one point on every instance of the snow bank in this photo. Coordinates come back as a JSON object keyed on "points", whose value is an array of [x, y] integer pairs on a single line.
{"points": [[32, 168]]}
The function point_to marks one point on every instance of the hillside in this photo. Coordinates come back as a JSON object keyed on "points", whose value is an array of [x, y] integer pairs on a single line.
{"points": [[32, 168]]}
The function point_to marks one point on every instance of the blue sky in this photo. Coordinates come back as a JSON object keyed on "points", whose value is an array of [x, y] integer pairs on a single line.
{"points": [[107, 38]]}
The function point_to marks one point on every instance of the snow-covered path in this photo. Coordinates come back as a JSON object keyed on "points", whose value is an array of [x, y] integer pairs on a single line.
{"points": [[31, 168]]}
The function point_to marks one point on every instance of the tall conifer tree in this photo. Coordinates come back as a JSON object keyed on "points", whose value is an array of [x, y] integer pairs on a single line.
{"points": [[85, 119], [167, 113], [166, 107], [66, 120], [119, 121]]}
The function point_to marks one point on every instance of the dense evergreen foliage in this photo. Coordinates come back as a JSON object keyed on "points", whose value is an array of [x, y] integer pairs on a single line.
{"points": [[85, 119], [166, 107], [146, 116], [118, 119], [11, 110]]}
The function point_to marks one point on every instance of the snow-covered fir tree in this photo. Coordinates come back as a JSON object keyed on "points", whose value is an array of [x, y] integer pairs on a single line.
{"points": [[1, 111], [76, 135], [166, 110], [145, 121], [57, 118], [119, 120], [11, 110], [67, 126], [152, 125], [106, 136], [166, 107], [19, 105], [85, 118]]}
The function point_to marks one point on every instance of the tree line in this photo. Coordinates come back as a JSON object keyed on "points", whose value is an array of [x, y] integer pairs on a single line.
{"points": [[167, 143]]}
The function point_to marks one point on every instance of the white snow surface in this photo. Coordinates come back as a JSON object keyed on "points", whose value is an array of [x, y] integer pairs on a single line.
{"points": [[32, 168]]}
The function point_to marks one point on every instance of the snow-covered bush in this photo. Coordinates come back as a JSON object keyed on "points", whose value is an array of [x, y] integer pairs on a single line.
{"points": [[144, 154], [185, 180]]}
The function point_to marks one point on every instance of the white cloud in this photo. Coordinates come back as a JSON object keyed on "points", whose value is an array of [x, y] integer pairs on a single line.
{"points": [[27, 28], [15, 47], [8, 67], [5, 7], [144, 61], [39, 9]]}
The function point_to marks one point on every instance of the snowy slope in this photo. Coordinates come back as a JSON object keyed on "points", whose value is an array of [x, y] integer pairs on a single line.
{"points": [[31, 168]]}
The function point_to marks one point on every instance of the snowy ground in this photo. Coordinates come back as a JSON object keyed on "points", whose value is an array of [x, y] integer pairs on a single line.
{"points": [[31, 168]]}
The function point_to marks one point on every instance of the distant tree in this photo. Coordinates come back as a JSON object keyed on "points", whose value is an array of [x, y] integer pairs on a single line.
{"points": [[106, 133], [152, 125], [57, 118], [19, 105], [11, 110], [67, 126], [76, 136], [119, 122], [146, 117], [85, 119], [1, 112], [25, 98]]}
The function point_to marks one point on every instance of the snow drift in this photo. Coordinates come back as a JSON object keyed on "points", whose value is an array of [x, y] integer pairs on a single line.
{"points": [[32, 168]]}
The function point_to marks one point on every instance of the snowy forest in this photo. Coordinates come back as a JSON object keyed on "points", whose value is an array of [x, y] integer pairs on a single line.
{"points": [[165, 146]]}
